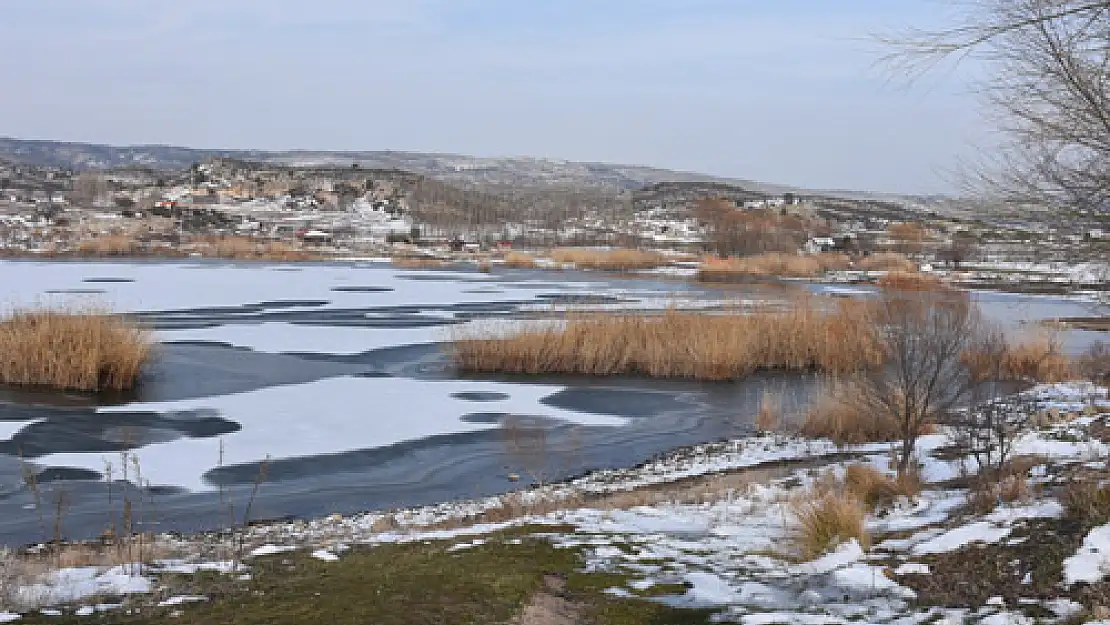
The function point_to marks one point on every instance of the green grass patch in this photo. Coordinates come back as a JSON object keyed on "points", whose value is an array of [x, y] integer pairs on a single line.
{"points": [[413, 584]]}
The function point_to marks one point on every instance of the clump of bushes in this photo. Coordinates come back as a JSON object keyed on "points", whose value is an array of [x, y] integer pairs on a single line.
{"points": [[83, 350]]}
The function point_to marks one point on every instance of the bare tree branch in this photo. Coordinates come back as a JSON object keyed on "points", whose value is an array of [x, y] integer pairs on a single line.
{"points": [[1049, 89]]}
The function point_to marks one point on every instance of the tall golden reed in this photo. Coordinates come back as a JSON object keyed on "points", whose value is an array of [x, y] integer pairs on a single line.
{"points": [[680, 344], [607, 260], [85, 350]]}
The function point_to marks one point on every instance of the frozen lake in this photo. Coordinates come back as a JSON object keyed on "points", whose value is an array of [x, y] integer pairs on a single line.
{"points": [[333, 378]]}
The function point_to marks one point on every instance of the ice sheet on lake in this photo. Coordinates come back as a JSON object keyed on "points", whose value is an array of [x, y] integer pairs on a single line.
{"points": [[326, 417], [8, 429], [184, 286], [280, 337]]}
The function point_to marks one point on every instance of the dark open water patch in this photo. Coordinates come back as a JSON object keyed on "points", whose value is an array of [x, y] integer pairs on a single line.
{"points": [[459, 276], [573, 298], [66, 474], [88, 431], [617, 402], [372, 374], [485, 418], [480, 396], [361, 289], [108, 280], [292, 303]]}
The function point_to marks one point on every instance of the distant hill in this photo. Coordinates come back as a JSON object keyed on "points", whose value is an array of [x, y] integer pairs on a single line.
{"points": [[509, 171]]}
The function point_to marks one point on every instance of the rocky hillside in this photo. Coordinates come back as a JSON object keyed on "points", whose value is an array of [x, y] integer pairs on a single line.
{"points": [[512, 171]]}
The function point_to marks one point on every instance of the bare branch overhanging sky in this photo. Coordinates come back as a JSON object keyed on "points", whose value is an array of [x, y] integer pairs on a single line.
{"points": [[783, 91]]}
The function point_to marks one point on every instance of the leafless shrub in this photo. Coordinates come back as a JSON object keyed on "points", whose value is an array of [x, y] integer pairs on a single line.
{"points": [[924, 334]]}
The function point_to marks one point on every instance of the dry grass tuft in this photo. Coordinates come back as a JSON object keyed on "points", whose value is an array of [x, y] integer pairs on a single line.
{"points": [[85, 350], [681, 345], [1041, 360], [108, 245], [771, 264], [828, 520], [608, 260], [875, 488], [1010, 484], [520, 260], [1087, 502], [887, 261], [986, 495], [840, 416], [769, 418]]}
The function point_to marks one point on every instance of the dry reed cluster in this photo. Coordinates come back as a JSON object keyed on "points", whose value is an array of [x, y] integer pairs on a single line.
{"points": [[887, 261], [771, 264], [108, 245], [682, 344], [841, 416], [419, 262], [85, 350], [245, 248], [911, 281], [519, 260], [608, 260]]}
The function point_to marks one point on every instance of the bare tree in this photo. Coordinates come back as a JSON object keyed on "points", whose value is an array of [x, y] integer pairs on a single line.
{"points": [[995, 419], [925, 334], [1049, 86]]}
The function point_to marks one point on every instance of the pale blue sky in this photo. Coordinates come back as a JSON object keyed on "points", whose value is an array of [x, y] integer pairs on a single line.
{"points": [[781, 91]]}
